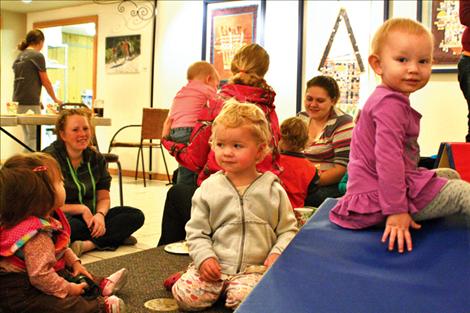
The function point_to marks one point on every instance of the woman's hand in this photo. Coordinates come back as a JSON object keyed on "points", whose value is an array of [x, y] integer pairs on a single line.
{"points": [[271, 259], [77, 289], [78, 268], [98, 226], [87, 215], [397, 228], [210, 270]]}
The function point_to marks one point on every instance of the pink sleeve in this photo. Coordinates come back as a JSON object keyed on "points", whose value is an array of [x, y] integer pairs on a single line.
{"points": [[40, 260], [70, 257], [390, 119]]}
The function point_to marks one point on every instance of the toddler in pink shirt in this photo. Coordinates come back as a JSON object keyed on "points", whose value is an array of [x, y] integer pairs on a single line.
{"points": [[202, 84]]}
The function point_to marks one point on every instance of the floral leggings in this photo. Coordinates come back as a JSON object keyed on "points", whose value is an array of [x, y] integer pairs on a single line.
{"points": [[194, 294]]}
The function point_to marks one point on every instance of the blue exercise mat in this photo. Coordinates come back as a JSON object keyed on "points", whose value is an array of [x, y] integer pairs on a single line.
{"points": [[330, 269]]}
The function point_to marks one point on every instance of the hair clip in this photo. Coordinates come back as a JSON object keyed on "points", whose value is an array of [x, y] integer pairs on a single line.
{"points": [[41, 168]]}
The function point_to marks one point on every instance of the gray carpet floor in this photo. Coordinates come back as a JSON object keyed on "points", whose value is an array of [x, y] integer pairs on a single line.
{"points": [[147, 270]]}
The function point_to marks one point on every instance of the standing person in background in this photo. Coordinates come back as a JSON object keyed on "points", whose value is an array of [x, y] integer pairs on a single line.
{"points": [[329, 132], [30, 76], [202, 84], [464, 63]]}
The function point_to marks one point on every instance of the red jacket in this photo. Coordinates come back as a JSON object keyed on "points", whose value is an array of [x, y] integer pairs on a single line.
{"points": [[297, 174], [198, 157]]}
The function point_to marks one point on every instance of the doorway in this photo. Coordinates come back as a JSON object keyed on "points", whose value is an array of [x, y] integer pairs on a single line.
{"points": [[70, 49]]}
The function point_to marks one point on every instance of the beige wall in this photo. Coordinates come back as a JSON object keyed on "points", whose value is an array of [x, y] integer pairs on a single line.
{"points": [[13, 30], [178, 44]]}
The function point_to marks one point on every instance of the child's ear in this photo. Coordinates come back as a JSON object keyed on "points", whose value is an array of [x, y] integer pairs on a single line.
{"points": [[374, 62]]}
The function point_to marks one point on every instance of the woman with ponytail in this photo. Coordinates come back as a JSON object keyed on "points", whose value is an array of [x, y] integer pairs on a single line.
{"points": [[30, 76], [249, 65]]}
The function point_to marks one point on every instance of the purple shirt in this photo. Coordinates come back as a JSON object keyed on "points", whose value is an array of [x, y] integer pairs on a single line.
{"points": [[188, 103], [383, 175]]}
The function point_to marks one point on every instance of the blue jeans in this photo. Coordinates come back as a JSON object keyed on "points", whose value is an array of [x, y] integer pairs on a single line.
{"points": [[464, 81], [182, 135]]}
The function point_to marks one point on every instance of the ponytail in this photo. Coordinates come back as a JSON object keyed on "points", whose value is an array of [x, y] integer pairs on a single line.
{"points": [[22, 45], [33, 37]]}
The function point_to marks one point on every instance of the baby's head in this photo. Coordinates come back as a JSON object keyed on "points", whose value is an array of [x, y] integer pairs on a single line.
{"points": [[294, 135], [204, 72], [249, 65], [402, 54], [31, 185], [239, 125]]}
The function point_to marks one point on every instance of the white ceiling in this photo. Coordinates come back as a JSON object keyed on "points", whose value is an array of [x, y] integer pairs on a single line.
{"points": [[39, 5]]}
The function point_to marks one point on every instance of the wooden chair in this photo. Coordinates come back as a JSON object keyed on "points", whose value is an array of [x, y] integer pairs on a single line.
{"points": [[151, 129], [109, 157]]}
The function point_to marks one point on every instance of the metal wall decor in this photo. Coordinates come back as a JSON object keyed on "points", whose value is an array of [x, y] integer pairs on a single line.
{"points": [[345, 69], [139, 11]]}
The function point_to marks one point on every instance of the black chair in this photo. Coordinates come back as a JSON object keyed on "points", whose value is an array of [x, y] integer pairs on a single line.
{"points": [[109, 157]]}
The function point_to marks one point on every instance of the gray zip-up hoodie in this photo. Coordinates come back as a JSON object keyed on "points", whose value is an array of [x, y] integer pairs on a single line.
{"points": [[239, 230]]}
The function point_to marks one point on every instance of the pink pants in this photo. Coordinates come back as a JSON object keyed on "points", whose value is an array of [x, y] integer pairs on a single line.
{"points": [[194, 294]]}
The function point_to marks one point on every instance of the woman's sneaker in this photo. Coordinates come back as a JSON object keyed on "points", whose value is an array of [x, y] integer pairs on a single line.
{"points": [[113, 283], [114, 304]]}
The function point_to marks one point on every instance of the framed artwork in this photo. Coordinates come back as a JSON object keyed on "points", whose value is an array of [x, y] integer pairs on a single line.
{"points": [[342, 48], [122, 54], [442, 18], [227, 26]]}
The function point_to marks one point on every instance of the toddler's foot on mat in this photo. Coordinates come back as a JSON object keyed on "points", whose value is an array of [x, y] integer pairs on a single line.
{"points": [[113, 283]]}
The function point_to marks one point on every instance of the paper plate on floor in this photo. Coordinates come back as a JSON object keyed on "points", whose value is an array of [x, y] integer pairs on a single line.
{"points": [[161, 304], [177, 248]]}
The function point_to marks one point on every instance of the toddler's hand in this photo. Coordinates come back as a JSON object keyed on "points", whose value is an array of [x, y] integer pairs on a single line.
{"points": [[78, 268], [77, 289], [397, 228], [210, 270], [271, 259]]}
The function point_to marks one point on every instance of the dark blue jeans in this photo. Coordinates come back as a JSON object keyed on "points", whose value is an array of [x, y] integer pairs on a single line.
{"points": [[182, 135], [464, 81], [120, 223]]}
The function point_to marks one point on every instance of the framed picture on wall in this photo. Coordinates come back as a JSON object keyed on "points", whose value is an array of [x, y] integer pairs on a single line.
{"points": [[227, 26], [122, 54], [442, 18], [337, 45]]}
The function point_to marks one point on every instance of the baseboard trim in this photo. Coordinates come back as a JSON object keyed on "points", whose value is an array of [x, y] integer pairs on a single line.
{"points": [[131, 173]]}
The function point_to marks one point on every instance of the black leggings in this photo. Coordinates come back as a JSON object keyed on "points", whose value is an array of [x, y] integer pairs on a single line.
{"points": [[120, 223], [176, 213], [319, 195]]}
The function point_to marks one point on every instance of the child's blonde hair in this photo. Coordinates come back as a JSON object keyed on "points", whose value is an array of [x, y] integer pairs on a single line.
{"points": [[397, 24], [294, 134], [26, 184], [249, 65], [235, 114], [200, 69]]}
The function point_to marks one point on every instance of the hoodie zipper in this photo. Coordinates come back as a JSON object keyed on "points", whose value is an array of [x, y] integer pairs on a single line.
{"points": [[240, 197]]}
